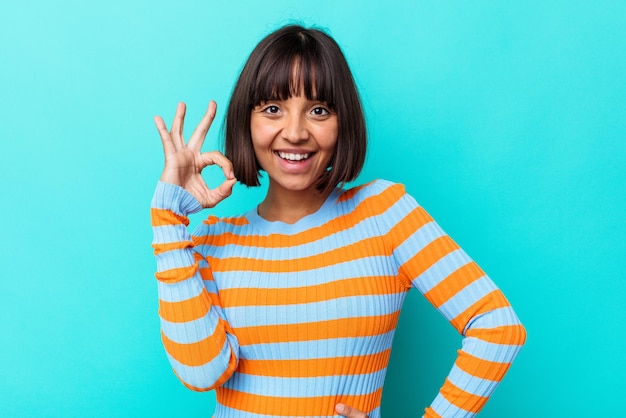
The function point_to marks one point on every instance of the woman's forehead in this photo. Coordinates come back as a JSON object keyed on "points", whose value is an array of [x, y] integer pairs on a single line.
{"points": [[301, 79]]}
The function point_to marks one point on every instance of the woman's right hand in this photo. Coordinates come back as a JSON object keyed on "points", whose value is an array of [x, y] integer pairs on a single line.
{"points": [[184, 162]]}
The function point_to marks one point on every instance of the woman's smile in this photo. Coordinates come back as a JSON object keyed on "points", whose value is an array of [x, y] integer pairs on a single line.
{"points": [[294, 141], [289, 156]]}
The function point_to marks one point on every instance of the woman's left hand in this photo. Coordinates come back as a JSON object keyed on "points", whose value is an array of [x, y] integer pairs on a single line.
{"points": [[348, 411]]}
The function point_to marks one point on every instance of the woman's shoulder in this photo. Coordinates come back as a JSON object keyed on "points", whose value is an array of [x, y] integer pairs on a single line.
{"points": [[379, 196], [378, 187]]}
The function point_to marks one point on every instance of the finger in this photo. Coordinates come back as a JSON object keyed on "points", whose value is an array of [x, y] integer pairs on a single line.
{"points": [[166, 139], [348, 411], [217, 158], [221, 192], [177, 126], [199, 134]]}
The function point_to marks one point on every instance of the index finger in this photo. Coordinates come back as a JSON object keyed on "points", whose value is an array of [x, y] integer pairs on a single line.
{"points": [[217, 158], [197, 138], [166, 139]]}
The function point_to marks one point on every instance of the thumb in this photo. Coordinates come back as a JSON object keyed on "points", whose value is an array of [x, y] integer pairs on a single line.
{"points": [[220, 193]]}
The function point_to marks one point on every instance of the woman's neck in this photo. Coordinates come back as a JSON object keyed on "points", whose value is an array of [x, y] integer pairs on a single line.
{"points": [[290, 206]]}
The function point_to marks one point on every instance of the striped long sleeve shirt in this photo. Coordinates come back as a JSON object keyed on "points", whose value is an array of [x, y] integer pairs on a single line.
{"points": [[287, 320]]}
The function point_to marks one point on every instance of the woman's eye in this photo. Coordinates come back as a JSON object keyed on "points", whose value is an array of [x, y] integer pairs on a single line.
{"points": [[272, 109], [320, 111]]}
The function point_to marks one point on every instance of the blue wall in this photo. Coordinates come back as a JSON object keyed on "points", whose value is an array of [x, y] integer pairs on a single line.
{"points": [[506, 121]]}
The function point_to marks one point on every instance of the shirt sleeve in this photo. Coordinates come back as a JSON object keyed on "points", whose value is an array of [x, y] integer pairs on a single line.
{"points": [[197, 338], [430, 261]]}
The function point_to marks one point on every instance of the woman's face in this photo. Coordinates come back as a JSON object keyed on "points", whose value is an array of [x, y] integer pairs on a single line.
{"points": [[294, 140]]}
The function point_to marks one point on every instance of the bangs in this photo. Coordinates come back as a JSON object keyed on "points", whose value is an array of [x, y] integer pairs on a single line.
{"points": [[288, 69]]}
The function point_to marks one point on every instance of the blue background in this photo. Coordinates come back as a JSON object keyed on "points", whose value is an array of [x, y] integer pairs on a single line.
{"points": [[505, 120]]}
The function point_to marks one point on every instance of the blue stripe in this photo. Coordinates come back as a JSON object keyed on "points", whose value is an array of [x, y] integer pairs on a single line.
{"points": [[374, 414], [499, 317], [289, 280], [417, 241], [471, 384], [172, 197], [206, 375], [446, 409], [179, 291], [339, 308], [305, 350], [174, 259], [365, 229], [170, 233], [304, 387], [192, 331], [222, 411], [441, 270], [469, 295], [484, 350]]}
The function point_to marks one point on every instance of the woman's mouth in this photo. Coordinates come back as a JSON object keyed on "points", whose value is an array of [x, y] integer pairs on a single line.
{"points": [[295, 157]]}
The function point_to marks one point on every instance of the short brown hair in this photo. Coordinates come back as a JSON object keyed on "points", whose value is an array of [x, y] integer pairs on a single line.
{"points": [[323, 72]]}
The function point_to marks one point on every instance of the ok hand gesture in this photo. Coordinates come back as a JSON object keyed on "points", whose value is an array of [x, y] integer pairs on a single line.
{"points": [[184, 162]]}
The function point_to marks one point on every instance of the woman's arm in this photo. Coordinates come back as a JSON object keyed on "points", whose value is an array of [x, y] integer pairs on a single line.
{"points": [[493, 335], [195, 333]]}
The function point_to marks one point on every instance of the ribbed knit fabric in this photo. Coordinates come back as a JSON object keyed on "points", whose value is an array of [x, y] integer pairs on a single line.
{"points": [[290, 319]]}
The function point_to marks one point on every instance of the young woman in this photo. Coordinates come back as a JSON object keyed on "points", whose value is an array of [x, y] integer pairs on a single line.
{"points": [[289, 309]]}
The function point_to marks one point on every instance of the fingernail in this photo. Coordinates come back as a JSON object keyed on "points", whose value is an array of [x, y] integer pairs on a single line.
{"points": [[339, 408], [232, 175]]}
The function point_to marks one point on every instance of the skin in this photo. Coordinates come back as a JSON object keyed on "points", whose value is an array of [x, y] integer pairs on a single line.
{"points": [[184, 162], [299, 127], [295, 124], [348, 411]]}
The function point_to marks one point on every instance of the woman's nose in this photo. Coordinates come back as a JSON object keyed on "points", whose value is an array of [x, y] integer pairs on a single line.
{"points": [[295, 129]]}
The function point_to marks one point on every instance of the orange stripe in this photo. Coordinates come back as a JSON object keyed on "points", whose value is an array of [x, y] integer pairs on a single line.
{"points": [[335, 366], [508, 334], [489, 302], [413, 221], [215, 299], [462, 399], [363, 326], [232, 365], [238, 221], [360, 286], [198, 353], [430, 413], [162, 248], [483, 369], [163, 217], [350, 193], [371, 206], [177, 274], [428, 256], [322, 405], [185, 310], [366, 248], [453, 284]]}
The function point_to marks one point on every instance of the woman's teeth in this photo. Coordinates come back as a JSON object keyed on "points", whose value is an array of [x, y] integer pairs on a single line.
{"points": [[293, 157]]}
